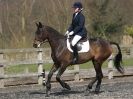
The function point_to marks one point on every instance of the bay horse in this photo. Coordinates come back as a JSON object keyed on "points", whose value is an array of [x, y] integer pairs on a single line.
{"points": [[100, 50]]}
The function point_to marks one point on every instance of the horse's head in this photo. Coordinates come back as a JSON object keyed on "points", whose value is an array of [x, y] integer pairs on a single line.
{"points": [[40, 35]]}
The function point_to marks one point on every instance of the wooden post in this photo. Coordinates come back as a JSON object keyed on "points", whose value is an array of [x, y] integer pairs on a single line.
{"points": [[40, 67], [76, 68], [1, 72], [110, 67]]}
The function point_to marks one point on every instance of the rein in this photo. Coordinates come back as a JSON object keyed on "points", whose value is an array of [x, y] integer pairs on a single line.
{"points": [[42, 43]]}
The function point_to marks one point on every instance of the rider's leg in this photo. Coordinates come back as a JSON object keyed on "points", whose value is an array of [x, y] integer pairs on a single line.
{"points": [[74, 48]]}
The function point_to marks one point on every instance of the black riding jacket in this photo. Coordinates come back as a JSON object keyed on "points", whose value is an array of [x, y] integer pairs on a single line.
{"points": [[78, 25]]}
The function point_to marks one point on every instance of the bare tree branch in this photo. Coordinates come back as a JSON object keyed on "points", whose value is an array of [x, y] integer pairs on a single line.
{"points": [[7, 20]]}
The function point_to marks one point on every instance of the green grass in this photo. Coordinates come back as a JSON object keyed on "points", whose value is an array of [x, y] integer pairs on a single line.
{"points": [[33, 67], [22, 68], [126, 62]]}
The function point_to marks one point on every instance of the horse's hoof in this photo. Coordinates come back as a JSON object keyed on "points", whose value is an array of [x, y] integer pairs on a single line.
{"points": [[97, 92], [88, 89], [86, 92], [67, 86], [47, 95]]}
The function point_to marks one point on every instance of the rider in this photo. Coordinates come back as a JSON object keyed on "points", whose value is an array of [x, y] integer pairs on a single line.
{"points": [[77, 28]]}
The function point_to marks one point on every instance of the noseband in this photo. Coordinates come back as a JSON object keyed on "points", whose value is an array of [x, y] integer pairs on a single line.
{"points": [[42, 43]]}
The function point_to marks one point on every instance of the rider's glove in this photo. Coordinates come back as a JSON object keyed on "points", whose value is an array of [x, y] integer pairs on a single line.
{"points": [[67, 32], [71, 33]]}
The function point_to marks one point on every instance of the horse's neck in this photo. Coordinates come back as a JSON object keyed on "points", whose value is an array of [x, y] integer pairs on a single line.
{"points": [[54, 38]]}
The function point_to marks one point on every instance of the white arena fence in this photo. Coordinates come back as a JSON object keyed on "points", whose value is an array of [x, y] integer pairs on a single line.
{"points": [[42, 56]]}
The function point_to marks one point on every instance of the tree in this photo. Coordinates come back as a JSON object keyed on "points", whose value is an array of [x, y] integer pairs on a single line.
{"points": [[105, 19]]}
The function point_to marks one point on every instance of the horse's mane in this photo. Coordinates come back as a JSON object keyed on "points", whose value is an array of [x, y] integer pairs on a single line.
{"points": [[55, 33]]}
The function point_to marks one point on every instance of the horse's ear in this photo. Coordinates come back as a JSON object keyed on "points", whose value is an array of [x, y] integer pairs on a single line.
{"points": [[40, 25], [37, 24]]}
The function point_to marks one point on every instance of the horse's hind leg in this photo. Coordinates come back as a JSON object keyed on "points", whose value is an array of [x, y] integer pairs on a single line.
{"points": [[89, 87], [99, 75], [60, 72], [48, 85]]}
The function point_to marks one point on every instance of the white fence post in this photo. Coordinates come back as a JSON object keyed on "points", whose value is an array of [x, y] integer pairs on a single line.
{"points": [[1, 71], [110, 67], [76, 68], [40, 67]]}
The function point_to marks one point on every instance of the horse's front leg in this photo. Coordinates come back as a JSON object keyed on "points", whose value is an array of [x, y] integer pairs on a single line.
{"points": [[60, 72], [48, 85]]}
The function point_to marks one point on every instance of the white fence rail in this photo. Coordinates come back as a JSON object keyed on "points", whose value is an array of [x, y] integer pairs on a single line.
{"points": [[34, 56], [7, 60]]}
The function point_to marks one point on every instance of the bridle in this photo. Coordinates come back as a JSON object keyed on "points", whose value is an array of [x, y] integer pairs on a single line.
{"points": [[38, 46], [41, 42]]}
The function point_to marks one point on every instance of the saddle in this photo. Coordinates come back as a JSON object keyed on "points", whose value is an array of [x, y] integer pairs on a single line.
{"points": [[79, 43], [83, 39]]}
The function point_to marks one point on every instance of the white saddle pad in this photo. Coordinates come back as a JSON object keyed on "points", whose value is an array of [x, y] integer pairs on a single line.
{"points": [[85, 46]]}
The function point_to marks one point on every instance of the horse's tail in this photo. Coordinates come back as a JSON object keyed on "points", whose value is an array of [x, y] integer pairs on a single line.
{"points": [[118, 59]]}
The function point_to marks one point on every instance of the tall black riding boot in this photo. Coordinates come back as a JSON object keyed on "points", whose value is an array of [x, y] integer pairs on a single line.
{"points": [[75, 54]]}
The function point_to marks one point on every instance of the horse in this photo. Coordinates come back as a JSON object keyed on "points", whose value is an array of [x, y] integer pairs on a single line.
{"points": [[100, 50]]}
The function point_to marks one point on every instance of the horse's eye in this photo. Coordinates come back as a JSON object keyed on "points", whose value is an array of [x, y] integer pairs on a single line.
{"points": [[38, 32]]}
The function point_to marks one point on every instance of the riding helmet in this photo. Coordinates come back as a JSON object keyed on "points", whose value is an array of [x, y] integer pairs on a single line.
{"points": [[77, 5]]}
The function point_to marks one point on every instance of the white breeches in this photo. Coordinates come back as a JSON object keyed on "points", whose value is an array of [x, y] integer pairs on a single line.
{"points": [[76, 39]]}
